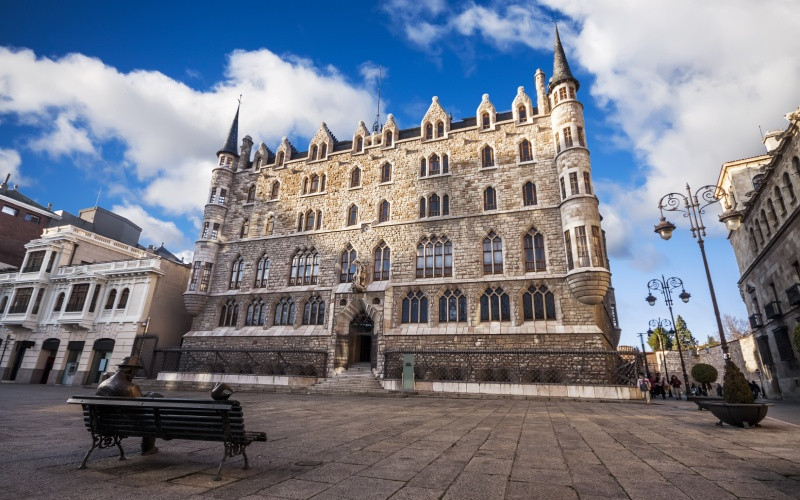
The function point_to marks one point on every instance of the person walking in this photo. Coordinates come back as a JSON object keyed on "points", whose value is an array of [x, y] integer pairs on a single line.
{"points": [[675, 383], [756, 389], [661, 386], [644, 385]]}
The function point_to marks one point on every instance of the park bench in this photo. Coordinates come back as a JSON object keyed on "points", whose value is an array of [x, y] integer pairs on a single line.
{"points": [[111, 419]]}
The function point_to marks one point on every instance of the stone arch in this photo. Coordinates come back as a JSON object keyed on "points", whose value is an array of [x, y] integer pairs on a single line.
{"points": [[352, 309]]}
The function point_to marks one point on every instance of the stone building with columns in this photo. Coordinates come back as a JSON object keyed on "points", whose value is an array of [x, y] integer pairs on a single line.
{"points": [[479, 235]]}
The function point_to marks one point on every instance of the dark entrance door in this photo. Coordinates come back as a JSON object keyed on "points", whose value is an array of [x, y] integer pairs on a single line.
{"points": [[362, 346], [365, 349], [21, 348]]}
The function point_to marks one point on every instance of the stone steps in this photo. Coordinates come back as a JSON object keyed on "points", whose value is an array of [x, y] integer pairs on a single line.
{"points": [[358, 379]]}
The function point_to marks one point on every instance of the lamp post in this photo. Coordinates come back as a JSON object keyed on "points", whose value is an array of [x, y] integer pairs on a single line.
{"points": [[693, 209], [666, 286], [644, 353], [661, 324]]}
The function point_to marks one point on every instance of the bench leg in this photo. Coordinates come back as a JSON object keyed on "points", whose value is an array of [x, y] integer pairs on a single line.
{"points": [[224, 457], [246, 460], [86, 457], [103, 442]]}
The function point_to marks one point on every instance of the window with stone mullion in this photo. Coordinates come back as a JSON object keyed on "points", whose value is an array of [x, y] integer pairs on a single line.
{"points": [[452, 307], [348, 264], [495, 305]]}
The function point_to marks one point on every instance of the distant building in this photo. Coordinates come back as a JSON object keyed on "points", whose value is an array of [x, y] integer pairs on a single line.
{"points": [[21, 220], [85, 293], [767, 248]]}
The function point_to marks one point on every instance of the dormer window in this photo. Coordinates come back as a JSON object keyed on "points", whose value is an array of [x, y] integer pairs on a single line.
{"points": [[485, 121], [279, 161], [313, 155], [428, 131], [251, 194], [389, 139], [522, 114], [440, 129], [359, 144], [323, 152]]}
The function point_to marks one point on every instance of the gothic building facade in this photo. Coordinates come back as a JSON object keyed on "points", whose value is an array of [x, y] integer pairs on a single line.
{"points": [[478, 234]]}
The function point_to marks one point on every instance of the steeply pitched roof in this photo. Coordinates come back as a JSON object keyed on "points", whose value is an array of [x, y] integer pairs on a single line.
{"points": [[561, 70], [233, 137]]}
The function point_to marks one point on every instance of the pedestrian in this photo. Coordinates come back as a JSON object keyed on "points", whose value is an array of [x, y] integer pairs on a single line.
{"points": [[675, 383], [644, 385], [693, 390], [719, 390], [756, 389], [660, 386]]}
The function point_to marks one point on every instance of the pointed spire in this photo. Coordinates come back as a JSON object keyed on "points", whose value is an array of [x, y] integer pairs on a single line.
{"points": [[233, 136], [561, 70]]}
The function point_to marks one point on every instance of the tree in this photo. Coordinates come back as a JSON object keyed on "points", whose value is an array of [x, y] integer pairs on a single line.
{"points": [[684, 335], [659, 340], [735, 328], [711, 341], [705, 374]]}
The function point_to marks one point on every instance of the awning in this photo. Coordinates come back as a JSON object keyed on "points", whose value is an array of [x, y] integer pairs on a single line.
{"points": [[103, 345], [51, 344]]}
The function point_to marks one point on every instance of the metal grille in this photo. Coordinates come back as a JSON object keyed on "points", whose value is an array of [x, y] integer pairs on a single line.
{"points": [[525, 366], [293, 362]]}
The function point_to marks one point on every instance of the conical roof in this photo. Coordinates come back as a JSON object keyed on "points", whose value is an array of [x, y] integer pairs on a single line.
{"points": [[561, 72], [233, 137]]}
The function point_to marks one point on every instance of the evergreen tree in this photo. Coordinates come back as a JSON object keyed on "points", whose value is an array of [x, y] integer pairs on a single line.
{"points": [[684, 335], [665, 337]]}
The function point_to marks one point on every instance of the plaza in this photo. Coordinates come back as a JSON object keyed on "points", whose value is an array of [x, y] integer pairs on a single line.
{"points": [[417, 447]]}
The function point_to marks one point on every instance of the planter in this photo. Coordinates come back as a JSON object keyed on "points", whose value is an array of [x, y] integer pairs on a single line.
{"points": [[701, 401], [738, 414]]}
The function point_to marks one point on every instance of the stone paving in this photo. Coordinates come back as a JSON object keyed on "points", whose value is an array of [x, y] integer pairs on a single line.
{"points": [[327, 447]]}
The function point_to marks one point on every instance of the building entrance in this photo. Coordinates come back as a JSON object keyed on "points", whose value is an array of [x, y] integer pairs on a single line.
{"points": [[362, 345]]}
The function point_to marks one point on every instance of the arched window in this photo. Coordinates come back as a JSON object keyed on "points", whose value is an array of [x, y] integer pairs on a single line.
{"points": [[245, 228], [305, 267], [485, 121], [423, 167], [528, 194], [492, 254], [452, 307], [123, 298], [323, 152], [489, 199], [435, 166], [276, 186], [753, 239], [389, 139], [270, 227], [487, 157], [310, 220], [383, 211], [355, 177], [237, 270], [445, 205], [495, 305], [765, 223], [440, 129], [352, 215], [61, 297], [538, 304], [322, 182], [525, 151], [787, 183], [434, 206], [434, 257], [256, 313], [359, 144], [758, 231], [313, 154], [428, 131], [771, 212], [445, 164], [314, 311], [415, 308], [279, 161], [284, 312], [533, 246], [262, 272], [251, 194], [382, 262], [522, 113], [779, 197], [230, 313], [319, 219], [386, 172], [305, 185], [314, 183], [423, 212], [112, 296], [348, 264]]}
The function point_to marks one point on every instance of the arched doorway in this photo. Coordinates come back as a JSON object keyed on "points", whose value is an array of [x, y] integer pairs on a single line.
{"points": [[363, 348]]}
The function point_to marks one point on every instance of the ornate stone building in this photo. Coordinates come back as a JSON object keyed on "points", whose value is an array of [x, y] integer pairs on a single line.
{"points": [[766, 189], [478, 234]]}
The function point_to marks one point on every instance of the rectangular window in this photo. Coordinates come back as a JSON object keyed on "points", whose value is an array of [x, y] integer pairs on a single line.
{"points": [[32, 218], [562, 93], [587, 184], [204, 281], [573, 183], [214, 231], [37, 301], [51, 261], [563, 189], [205, 230], [568, 244], [222, 194], [583, 248], [597, 248], [581, 137], [77, 298], [34, 262], [10, 210], [213, 195], [21, 300], [195, 276], [558, 144], [568, 137]]}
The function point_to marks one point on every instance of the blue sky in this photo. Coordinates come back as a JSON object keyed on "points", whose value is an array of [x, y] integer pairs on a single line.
{"points": [[131, 100]]}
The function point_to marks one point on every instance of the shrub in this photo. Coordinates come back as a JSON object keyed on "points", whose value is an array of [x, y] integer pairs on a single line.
{"points": [[704, 373], [734, 386]]}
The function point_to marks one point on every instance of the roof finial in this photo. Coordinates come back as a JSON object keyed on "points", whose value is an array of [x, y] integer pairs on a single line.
{"points": [[376, 127]]}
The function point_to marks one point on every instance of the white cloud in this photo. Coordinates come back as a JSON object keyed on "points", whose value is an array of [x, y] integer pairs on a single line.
{"points": [[9, 164], [154, 231], [65, 139]]}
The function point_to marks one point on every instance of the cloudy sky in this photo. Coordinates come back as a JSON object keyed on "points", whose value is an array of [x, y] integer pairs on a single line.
{"points": [[130, 102]]}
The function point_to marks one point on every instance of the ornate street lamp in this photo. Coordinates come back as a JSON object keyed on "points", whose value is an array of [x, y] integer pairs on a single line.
{"points": [[661, 324], [666, 286], [693, 209]]}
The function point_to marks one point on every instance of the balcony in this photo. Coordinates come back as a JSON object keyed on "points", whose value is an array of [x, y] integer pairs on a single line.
{"points": [[77, 320], [793, 294], [755, 320], [19, 319], [773, 310]]}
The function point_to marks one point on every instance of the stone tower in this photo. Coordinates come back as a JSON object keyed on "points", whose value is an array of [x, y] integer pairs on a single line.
{"points": [[586, 273]]}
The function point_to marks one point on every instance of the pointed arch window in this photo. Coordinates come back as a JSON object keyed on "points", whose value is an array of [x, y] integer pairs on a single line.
{"points": [[522, 113], [352, 215], [771, 212], [383, 211], [435, 165], [389, 139], [533, 247], [495, 305], [434, 257], [229, 315], [245, 228], [487, 157], [753, 239], [269, 229], [262, 272], [428, 131], [445, 164], [538, 303], [279, 160], [758, 232], [112, 297], [284, 312], [314, 183], [445, 205], [434, 206], [440, 129], [237, 270], [529, 194], [787, 184], [779, 197], [314, 311], [355, 177], [485, 121], [256, 313], [525, 151], [359, 144], [251, 194], [492, 254], [382, 262], [323, 152], [386, 172], [453, 307], [276, 186], [313, 152], [414, 308], [305, 186], [423, 211], [489, 199], [765, 223], [311, 218], [305, 267], [423, 167], [348, 264]]}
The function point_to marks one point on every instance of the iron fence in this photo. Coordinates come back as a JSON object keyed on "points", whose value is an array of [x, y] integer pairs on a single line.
{"points": [[526, 366], [296, 362]]}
